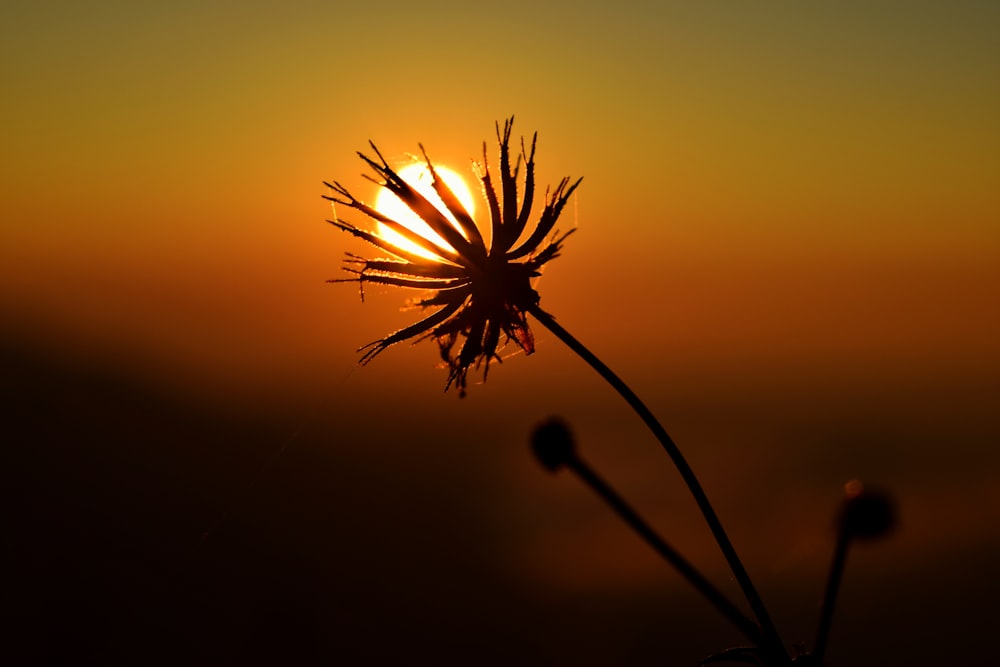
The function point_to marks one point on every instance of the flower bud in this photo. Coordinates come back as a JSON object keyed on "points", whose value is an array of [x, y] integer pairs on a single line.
{"points": [[553, 444], [866, 514]]}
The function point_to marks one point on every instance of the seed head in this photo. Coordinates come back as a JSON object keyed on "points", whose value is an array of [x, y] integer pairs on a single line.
{"points": [[479, 294]]}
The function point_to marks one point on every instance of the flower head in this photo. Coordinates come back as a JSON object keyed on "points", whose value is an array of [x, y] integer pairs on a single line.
{"points": [[479, 292]]}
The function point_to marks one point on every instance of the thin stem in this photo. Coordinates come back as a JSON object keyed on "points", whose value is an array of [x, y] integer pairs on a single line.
{"points": [[830, 595], [770, 633], [688, 571]]}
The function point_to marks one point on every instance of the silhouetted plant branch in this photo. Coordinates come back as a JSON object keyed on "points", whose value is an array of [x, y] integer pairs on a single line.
{"points": [[481, 293], [864, 515], [554, 446], [770, 637]]}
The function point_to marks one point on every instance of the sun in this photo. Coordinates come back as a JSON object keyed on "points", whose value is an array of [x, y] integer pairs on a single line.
{"points": [[418, 176]]}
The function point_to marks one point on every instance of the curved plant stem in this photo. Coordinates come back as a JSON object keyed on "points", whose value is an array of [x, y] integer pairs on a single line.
{"points": [[830, 596], [663, 548], [770, 634]]}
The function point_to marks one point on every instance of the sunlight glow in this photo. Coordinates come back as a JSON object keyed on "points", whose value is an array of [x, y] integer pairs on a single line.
{"points": [[419, 177]]}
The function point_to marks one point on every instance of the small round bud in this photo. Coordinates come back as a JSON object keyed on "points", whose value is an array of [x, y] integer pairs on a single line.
{"points": [[866, 514], [553, 444]]}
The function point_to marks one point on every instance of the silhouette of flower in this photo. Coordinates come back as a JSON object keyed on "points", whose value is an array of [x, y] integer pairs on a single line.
{"points": [[480, 292]]}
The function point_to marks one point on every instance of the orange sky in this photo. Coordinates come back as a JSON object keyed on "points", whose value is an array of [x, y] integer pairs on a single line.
{"points": [[748, 177], [788, 215], [806, 190]]}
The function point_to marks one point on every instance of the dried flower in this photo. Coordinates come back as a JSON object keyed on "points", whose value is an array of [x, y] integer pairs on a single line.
{"points": [[480, 292]]}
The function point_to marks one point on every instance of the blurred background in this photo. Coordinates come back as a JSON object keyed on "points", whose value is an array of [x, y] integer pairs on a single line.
{"points": [[787, 243]]}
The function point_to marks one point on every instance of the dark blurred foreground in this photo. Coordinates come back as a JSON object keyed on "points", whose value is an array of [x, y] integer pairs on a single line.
{"points": [[141, 528]]}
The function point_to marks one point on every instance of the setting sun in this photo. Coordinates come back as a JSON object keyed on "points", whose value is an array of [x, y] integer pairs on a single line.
{"points": [[419, 177]]}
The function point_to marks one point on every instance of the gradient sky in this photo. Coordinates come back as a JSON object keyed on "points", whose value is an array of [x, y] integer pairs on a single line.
{"points": [[798, 170], [790, 213]]}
